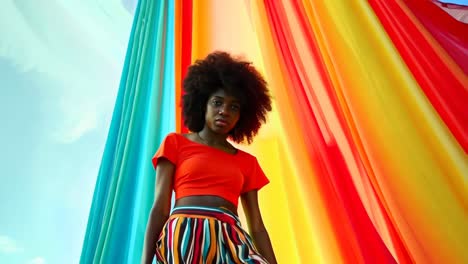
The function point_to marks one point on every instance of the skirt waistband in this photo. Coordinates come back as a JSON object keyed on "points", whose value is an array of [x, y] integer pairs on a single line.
{"points": [[220, 214]]}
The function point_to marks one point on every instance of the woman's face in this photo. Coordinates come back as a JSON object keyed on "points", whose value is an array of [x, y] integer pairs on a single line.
{"points": [[222, 112]]}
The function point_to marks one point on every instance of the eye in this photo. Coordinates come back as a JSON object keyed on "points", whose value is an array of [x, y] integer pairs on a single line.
{"points": [[216, 102], [235, 108]]}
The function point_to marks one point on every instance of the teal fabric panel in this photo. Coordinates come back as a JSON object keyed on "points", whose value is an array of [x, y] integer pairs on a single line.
{"points": [[144, 113]]}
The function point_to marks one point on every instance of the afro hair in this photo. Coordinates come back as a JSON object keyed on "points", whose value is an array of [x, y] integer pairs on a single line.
{"points": [[219, 70]]}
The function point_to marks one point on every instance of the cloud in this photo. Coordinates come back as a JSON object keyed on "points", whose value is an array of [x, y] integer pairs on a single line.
{"points": [[37, 260], [38, 41], [82, 55], [9, 246], [76, 125]]}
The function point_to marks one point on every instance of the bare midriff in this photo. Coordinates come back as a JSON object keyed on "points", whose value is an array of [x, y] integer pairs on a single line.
{"points": [[206, 201]]}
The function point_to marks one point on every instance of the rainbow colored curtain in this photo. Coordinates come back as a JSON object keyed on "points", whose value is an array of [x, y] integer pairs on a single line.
{"points": [[366, 148]]}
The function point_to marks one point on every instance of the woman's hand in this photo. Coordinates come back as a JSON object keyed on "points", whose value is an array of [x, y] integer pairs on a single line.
{"points": [[161, 208], [256, 227]]}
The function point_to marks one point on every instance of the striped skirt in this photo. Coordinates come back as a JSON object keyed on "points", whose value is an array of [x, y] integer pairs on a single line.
{"points": [[205, 235]]}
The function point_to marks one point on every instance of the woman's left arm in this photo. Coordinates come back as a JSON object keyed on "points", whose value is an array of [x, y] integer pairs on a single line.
{"points": [[256, 226]]}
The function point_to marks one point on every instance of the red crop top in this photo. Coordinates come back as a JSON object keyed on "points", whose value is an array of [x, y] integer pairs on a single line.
{"points": [[205, 170]]}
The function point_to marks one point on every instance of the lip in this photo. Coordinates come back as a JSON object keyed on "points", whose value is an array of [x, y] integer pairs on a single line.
{"points": [[221, 122]]}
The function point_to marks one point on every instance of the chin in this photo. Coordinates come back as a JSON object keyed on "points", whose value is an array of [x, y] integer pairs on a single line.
{"points": [[221, 130]]}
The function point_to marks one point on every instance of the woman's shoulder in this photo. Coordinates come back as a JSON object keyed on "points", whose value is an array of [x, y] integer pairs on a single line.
{"points": [[244, 155], [171, 138], [178, 138], [175, 135]]}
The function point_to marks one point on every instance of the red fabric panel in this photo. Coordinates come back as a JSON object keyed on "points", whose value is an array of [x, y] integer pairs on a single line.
{"points": [[446, 90]]}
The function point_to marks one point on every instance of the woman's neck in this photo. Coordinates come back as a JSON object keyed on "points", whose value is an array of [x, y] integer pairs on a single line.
{"points": [[213, 139]]}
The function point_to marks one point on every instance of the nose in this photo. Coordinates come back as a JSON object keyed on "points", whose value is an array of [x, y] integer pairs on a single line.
{"points": [[223, 110]]}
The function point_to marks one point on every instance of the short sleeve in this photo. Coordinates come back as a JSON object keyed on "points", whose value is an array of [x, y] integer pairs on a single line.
{"points": [[167, 149], [256, 179]]}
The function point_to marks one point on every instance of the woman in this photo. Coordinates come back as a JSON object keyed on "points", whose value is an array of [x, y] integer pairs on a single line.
{"points": [[225, 98]]}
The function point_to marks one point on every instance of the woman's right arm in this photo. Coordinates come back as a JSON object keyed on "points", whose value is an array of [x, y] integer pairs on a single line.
{"points": [[161, 208]]}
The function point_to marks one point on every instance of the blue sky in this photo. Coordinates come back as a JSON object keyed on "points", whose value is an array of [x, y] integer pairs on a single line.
{"points": [[459, 2], [60, 67]]}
